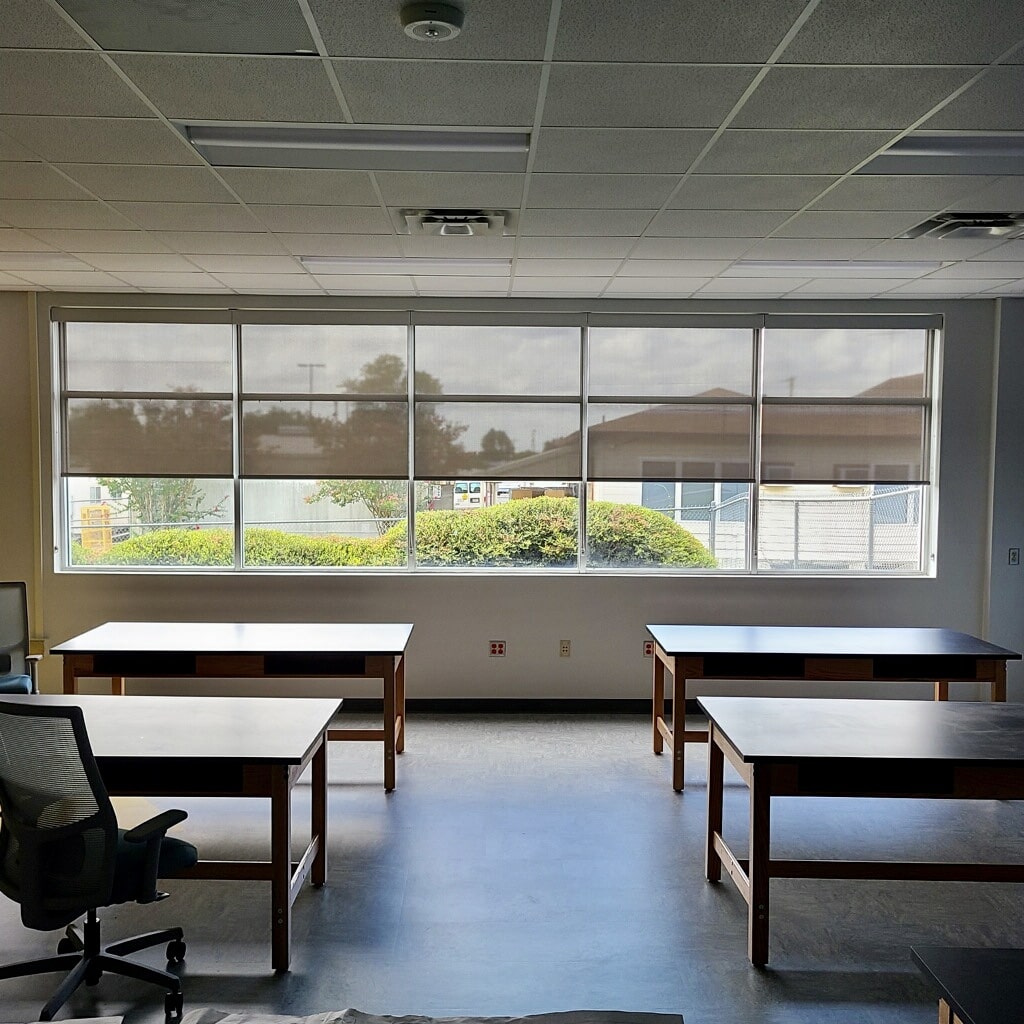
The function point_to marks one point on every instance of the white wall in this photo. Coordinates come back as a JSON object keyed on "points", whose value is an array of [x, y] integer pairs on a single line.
{"points": [[603, 616]]}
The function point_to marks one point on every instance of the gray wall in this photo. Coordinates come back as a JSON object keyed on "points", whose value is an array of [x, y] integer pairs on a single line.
{"points": [[603, 616]]}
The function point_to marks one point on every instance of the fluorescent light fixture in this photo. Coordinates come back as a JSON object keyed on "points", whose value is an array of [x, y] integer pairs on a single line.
{"points": [[951, 154], [40, 261], [415, 265], [828, 268], [356, 147]]}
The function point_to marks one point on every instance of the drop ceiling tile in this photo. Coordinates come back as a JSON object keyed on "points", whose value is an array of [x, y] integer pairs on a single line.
{"points": [[810, 248], [117, 262], [995, 103], [740, 151], [929, 286], [585, 222], [75, 280], [64, 82], [181, 282], [863, 287], [810, 98], [87, 241], [12, 240], [1006, 251], [59, 213], [351, 284], [907, 32], [493, 31], [221, 265], [850, 224], [11, 150], [189, 216], [749, 191], [228, 243], [692, 248], [314, 244], [596, 191], [270, 26], [679, 287], [565, 268], [120, 140], [615, 150], [755, 288], [439, 92], [269, 282], [567, 286], [568, 247], [1013, 288], [977, 270], [300, 185], [135, 182], [234, 88], [723, 31], [36, 181], [930, 249], [450, 285], [642, 95], [10, 283], [1005, 194], [30, 24], [436, 247], [356, 220], [454, 190], [725, 223], [671, 268], [890, 192]]}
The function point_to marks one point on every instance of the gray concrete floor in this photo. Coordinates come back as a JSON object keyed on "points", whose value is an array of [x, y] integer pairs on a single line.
{"points": [[527, 864]]}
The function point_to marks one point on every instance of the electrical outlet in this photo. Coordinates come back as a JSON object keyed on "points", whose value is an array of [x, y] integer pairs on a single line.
{"points": [[1014, 556], [648, 648], [497, 648], [564, 648]]}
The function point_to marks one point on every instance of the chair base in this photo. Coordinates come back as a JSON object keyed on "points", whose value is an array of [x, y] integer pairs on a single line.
{"points": [[80, 954]]}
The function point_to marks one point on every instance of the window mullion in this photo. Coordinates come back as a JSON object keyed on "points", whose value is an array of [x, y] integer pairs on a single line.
{"points": [[236, 449]]}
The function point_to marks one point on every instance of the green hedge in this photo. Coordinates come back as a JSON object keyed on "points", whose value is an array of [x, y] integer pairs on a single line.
{"points": [[529, 532]]}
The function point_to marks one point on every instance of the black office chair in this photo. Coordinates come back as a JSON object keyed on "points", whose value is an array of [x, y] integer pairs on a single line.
{"points": [[62, 854], [17, 666]]}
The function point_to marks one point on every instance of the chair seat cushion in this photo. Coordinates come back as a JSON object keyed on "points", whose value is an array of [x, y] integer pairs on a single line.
{"points": [[175, 856], [15, 684]]}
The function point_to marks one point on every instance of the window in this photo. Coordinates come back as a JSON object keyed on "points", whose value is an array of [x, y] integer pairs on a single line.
{"points": [[685, 443]]}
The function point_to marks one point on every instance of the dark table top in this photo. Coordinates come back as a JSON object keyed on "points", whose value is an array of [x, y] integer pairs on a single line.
{"points": [[983, 986], [823, 641], [249, 729], [802, 728], [241, 638]]}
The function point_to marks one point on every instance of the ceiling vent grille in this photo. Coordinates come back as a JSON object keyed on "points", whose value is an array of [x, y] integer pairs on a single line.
{"points": [[458, 223], [970, 225]]}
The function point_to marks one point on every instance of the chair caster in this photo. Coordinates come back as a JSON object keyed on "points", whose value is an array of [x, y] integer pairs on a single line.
{"points": [[173, 1005], [175, 951]]}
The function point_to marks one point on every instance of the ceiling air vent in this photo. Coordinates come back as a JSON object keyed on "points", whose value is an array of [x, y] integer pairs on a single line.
{"points": [[455, 222], [970, 225]]}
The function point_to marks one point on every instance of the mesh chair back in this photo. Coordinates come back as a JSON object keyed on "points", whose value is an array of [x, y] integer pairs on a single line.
{"points": [[13, 629], [58, 837]]}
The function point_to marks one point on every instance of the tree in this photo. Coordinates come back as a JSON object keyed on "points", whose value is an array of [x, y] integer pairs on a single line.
{"points": [[161, 499], [384, 499], [496, 447]]}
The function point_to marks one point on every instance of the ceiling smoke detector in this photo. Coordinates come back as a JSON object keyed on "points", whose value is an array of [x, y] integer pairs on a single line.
{"points": [[970, 225], [455, 222], [432, 23]]}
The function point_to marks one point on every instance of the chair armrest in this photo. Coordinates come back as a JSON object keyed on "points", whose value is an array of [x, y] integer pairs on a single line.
{"points": [[32, 663], [155, 828]]}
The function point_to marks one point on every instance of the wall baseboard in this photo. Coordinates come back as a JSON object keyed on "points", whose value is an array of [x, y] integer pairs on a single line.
{"points": [[512, 706]]}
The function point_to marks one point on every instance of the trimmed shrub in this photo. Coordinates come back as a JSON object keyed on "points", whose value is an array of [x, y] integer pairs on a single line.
{"points": [[275, 547], [631, 535], [172, 547]]}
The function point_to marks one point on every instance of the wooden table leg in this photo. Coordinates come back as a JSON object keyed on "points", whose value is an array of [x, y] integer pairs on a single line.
{"points": [[658, 703], [716, 796], [390, 700], [678, 728], [117, 686], [281, 867], [318, 812], [999, 683], [945, 1012], [760, 846], [400, 703], [942, 689], [70, 675]]}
